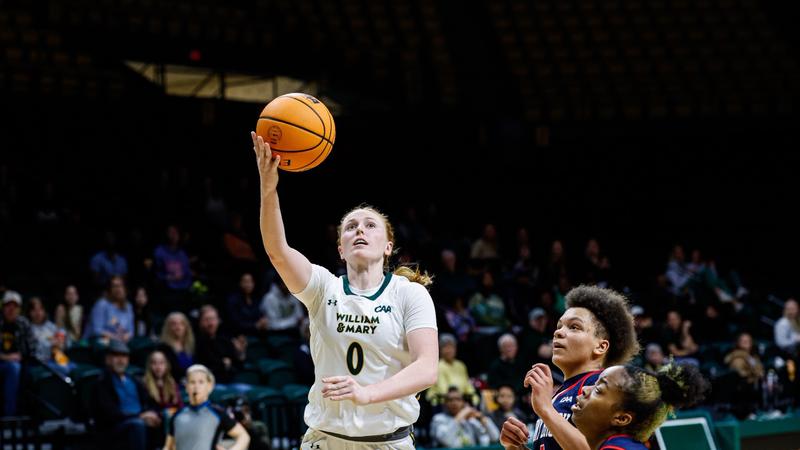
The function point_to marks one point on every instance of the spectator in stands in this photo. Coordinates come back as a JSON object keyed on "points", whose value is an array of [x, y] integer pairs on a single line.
{"points": [[643, 323], [744, 360], [461, 425], [220, 354], [18, 345], [258, 431], [237, 244], [678, 273], [677, 338], [507, 369], [59, 360], [201, 425], [535, 334], [451, 281], [452, 373], [160, 384], [122, 406], [142, 317], [715, 326], [303, 363], [485, 248], [177, 343], [653, 357], [107, 262], [626, 405], [69, 314], [560, 292], [506, 400], [596, 268], [244, 313], [283, 311], [412, 231], [487, 306], [112, 315], [459, 319], [43, 329], [173, 271], [522, 279], [556, 265], [787, 328]]}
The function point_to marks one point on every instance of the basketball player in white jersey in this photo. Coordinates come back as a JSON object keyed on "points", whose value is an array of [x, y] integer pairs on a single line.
{"points": [[373, 333]]}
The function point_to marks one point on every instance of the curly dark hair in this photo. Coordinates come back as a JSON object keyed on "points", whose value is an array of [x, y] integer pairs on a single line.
{"points": [[612, 320], [653, 396]]}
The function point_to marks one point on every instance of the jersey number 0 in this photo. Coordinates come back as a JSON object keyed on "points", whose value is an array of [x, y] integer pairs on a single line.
{"points": [[355, 358]]}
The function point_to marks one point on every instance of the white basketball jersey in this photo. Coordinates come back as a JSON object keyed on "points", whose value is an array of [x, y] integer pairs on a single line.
{"points": [[364, 336]]}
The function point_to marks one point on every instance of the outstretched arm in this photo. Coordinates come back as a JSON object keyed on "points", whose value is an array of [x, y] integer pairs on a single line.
{"points": [[292, 266]]}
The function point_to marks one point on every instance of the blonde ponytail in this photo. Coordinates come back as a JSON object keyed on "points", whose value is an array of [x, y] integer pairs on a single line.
{"points": [[414, 275]]}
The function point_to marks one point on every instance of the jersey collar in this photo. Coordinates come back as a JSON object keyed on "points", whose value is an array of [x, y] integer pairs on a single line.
{"points": [[387, 277], [201, 405]]}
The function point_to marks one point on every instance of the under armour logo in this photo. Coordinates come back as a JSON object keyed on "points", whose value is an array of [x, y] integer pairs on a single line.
{"points": [[314, 445], [331, 302]]}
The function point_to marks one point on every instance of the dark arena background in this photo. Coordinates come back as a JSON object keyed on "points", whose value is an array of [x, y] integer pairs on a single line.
{"points": [[654, 141]]}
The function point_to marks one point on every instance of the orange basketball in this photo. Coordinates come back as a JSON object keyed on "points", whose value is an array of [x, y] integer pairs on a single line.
{"points": [[299, 128]]}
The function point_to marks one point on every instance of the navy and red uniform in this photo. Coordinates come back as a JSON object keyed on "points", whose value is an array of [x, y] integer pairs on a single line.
{"points": [[622, 442], [567, 395]]}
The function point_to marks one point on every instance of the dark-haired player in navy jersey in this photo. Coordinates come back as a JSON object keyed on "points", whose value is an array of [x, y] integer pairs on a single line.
{"points": [[596, 331], [623, 409]]}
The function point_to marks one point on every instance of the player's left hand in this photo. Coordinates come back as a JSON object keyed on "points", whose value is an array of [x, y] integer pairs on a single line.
{"points": [[540, 380], [345, 388]]}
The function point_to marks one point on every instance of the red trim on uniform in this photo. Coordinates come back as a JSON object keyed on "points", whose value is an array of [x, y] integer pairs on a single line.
{"points": [[614, 447], [619, 435], [580, 389], [581, 382]]}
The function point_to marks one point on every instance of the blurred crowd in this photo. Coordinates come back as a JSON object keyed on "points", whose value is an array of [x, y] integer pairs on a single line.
{"points": [[199, 289]]}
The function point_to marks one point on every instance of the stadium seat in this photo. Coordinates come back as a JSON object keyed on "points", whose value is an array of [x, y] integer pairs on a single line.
{"points": [[276, 373], [53, 398]]}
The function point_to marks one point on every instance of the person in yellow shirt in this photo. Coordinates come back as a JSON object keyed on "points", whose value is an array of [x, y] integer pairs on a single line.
{"points": [[452, 373]]}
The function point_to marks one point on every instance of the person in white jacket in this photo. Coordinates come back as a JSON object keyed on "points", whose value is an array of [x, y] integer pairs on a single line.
{"points": [[461, 425], [787, 328], [282, 309]]}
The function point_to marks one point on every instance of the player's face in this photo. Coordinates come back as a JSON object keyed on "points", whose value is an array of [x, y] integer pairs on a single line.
{"points": [[596, 410], [199, 387], [574, 341], [364, 238]]}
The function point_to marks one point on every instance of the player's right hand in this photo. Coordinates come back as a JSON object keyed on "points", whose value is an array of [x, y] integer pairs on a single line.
{"points": [[514, 434], [267, 163]]}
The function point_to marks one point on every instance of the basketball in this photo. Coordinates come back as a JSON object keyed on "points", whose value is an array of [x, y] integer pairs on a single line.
{"points": [[299, 128]]}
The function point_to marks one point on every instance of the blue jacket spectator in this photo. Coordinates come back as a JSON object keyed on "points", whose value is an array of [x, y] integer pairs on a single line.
{"points": [[112, 317], [107, 262], [172, 263], [122, 406]]}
